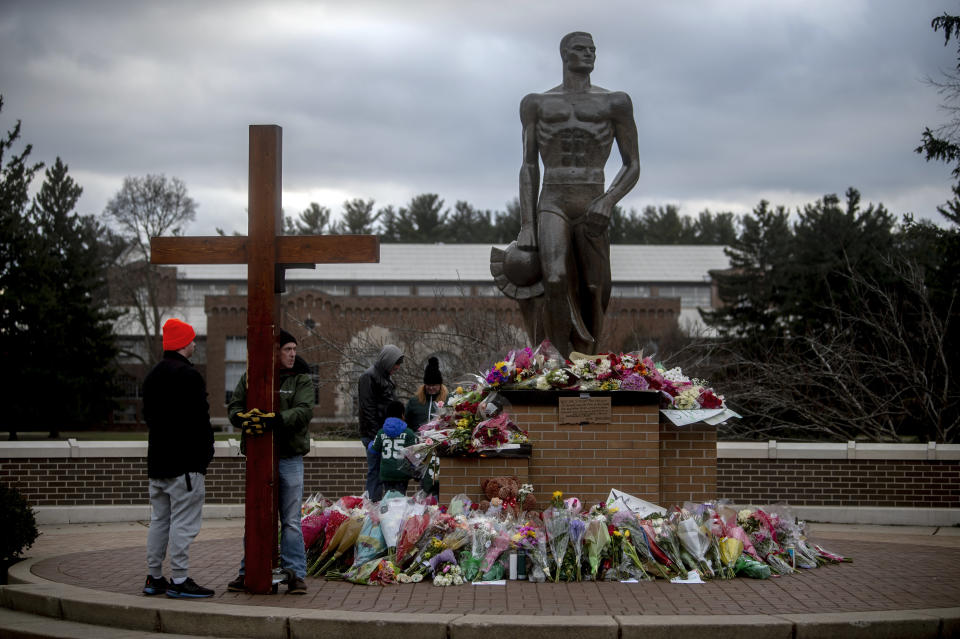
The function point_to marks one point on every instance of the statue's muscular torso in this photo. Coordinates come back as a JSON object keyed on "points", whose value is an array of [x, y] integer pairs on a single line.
{"points": [[574, 134]]}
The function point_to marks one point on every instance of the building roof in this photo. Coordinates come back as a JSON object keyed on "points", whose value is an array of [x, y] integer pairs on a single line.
{"points": [[471, 263]]}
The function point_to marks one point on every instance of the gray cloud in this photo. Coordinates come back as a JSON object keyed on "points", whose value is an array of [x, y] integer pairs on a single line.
{"points": [[735, 101]]}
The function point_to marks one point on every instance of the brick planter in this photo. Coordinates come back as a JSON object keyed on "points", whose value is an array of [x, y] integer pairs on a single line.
{"points": [[633, 453]]}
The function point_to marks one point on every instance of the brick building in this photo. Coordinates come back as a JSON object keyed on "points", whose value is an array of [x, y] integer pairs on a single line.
{"points": [[429, 299]]}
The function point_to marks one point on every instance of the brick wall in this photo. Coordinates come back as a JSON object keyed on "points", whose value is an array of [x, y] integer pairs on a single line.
{"points": [[464, 474], [122, 481], [892, 483], [688, 463]]}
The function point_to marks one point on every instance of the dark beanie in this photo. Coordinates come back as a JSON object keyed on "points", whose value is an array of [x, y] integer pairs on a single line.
{"points": [[431, 374], [283, 337]]}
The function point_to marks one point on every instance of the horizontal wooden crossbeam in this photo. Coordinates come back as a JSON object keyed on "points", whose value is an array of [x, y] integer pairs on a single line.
{"points": [[291, 249]]}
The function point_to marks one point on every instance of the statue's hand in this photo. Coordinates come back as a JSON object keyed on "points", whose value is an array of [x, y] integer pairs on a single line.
{"points": [[527, 238], [598, 217]]}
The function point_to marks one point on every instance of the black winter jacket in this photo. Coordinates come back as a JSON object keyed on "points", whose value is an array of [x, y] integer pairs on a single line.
{"points": [[178, 416], [375, 391]]}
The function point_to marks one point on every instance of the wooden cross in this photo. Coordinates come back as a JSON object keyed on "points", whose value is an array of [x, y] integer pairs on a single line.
{"points": [[267, 253]]}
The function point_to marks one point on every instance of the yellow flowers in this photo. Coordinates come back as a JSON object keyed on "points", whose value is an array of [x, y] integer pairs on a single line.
{"points": [[557, 494], [459, 390]]}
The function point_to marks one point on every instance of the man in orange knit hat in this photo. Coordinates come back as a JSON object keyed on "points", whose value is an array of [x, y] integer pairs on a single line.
{"points": [[180, 449]]}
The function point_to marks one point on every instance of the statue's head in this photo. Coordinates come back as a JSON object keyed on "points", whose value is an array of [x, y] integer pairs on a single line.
{"points": [[578, 51]]}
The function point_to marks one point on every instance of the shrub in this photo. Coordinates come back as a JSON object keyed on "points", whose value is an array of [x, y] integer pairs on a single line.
{"points": [[17, 523]]}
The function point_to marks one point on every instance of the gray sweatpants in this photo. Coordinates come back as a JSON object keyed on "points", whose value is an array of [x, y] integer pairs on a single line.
{"points": [[176, 517]]}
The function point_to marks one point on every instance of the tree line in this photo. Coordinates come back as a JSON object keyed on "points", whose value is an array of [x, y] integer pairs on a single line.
{"points": [[426, 219]]}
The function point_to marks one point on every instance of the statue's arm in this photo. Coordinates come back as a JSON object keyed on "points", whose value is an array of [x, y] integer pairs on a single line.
{"points": [[529, 174], [625, 133]]}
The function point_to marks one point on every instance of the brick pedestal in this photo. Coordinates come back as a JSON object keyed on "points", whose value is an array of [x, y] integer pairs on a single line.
{"points": [[634, 453]]}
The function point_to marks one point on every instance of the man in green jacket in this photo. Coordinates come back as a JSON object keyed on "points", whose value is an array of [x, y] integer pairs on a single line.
{"points": [[291, 427]]}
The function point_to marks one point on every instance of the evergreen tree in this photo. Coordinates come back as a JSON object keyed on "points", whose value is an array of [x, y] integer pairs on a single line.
{"points": [[17, 243], [506, 224], [715, 229], [422, 220], [663, 225], [754, 289], [467, 225], [358, 218], [73, 351], [313, 220]]}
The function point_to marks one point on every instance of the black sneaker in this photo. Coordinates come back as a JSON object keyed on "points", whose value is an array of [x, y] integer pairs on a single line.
{"points": [[188, 590], [296, 586], [155, 586], [237, 585]]}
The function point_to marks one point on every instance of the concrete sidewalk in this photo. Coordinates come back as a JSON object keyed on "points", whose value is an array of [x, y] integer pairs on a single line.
{"points": [[904, 582]]}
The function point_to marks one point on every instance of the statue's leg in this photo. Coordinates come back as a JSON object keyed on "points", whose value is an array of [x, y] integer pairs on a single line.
{"points": [[554, 241], [594, 262]]}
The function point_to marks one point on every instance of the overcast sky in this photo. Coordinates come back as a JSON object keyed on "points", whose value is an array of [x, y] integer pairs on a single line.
{"points": [[735, 100]]}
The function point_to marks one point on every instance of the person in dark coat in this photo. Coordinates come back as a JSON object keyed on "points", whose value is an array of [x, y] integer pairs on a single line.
{"points": [[179, 449], [375, 391], [421, 409]]}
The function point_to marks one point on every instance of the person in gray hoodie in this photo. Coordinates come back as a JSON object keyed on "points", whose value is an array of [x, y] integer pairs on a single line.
{"points": [[375, 391]]}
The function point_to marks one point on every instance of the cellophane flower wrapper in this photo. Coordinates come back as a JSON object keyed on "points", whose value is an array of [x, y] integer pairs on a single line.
{"points": [[344, 539], [413, 530], [577, 530], [500, 543], [556, 521], [730, 550], [631, 564], [640, 540], [657, 553], [727, 519], [313, 526], [375, 572], [392, 509], [749, 567], [459, 505], [370, 542], [446, 556], [482, 531], [596, 538]]}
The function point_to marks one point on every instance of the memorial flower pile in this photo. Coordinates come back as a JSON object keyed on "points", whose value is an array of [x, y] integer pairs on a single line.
{"points": [[544, 368], [403, 540]]}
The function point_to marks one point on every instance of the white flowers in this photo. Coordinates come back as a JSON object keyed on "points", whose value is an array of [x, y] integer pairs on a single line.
{"points": [[450, 575], [675, 375]]}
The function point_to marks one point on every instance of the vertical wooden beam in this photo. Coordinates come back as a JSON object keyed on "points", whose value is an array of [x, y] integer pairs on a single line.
{"points": [[263, 305]]}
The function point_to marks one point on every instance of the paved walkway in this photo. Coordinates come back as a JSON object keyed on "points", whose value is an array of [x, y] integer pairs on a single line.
{"points": [[895, 568]]}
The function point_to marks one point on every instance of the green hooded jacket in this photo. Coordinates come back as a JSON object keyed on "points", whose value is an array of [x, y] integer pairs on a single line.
{"points": [[295, 409]]}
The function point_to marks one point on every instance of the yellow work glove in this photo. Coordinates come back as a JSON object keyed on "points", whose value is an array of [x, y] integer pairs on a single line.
{"points": [[256, 422]]}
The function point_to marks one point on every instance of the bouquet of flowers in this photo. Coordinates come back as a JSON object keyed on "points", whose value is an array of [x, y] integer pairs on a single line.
{"points": [[696, 542], [577, 529], [499, 544], [375, 572], [412, 531], [343, 540], [556, 520], [445, 570], [596, 538], [370, 542]]}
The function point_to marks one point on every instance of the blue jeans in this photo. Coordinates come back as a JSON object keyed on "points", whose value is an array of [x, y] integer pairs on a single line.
{"points": [[374, 486], [293, 556]]}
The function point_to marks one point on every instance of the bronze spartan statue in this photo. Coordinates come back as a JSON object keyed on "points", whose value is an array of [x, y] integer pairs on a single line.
{"points": [[558, 269]]}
